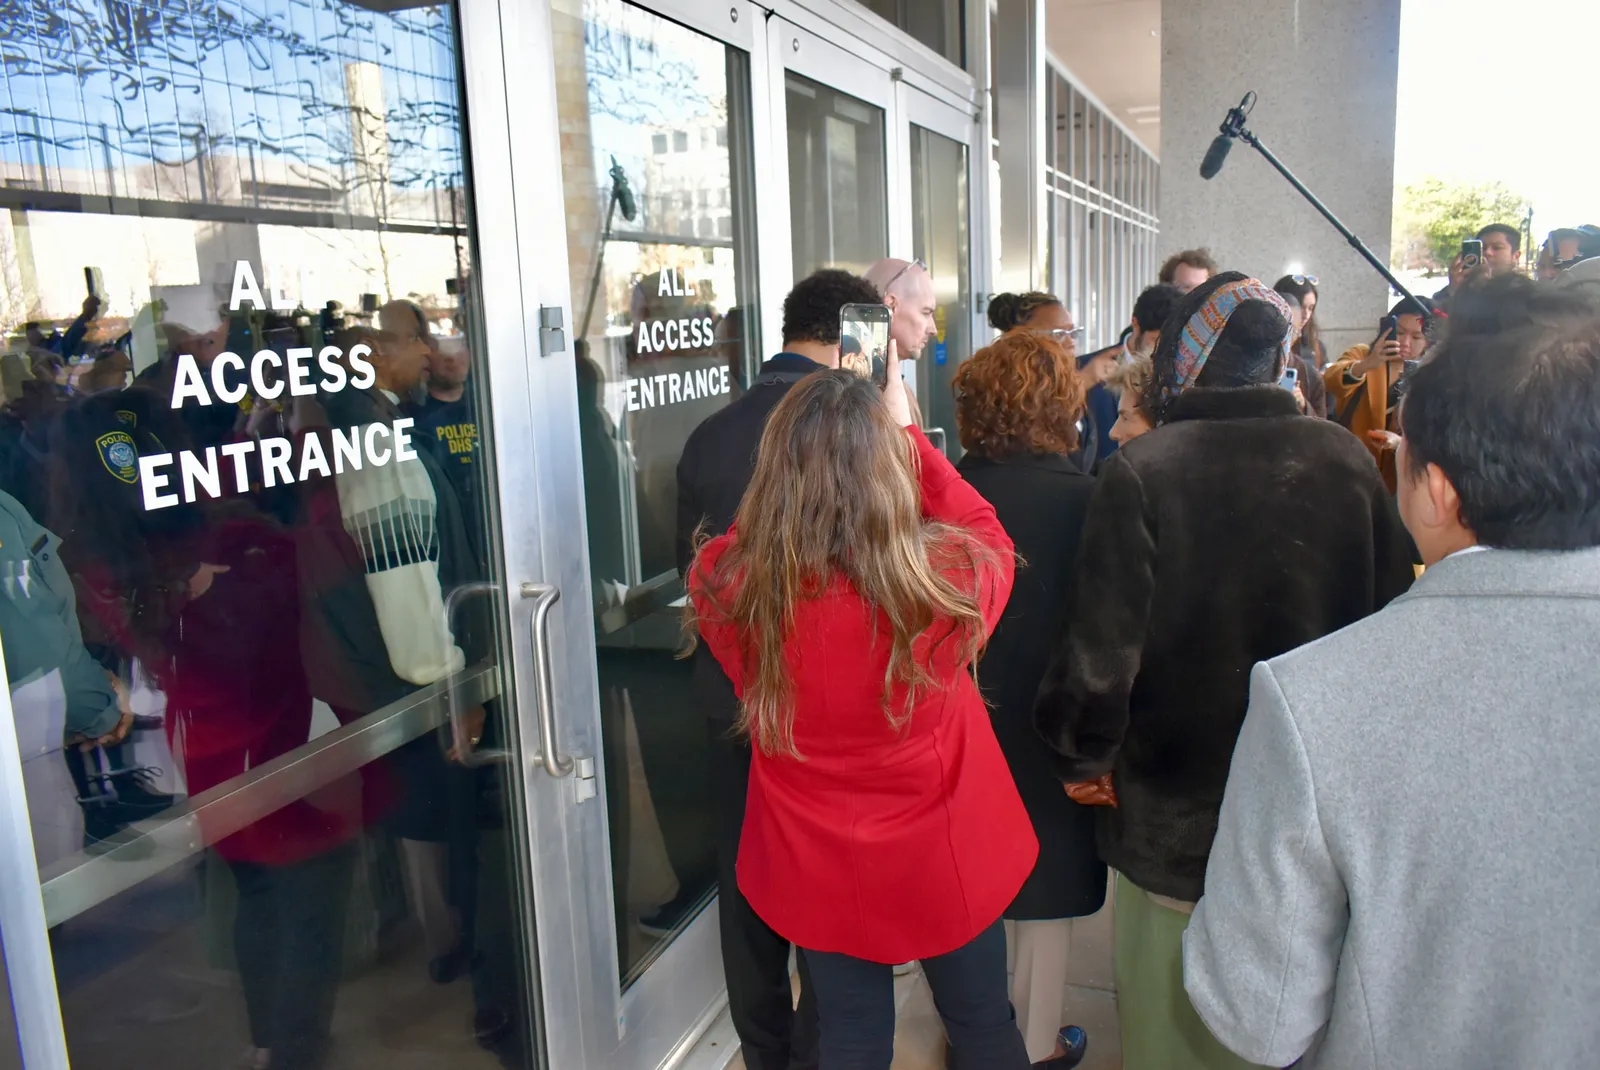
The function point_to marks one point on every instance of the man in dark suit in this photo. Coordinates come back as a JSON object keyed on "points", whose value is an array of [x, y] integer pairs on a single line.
{"points": [[717, 464]]}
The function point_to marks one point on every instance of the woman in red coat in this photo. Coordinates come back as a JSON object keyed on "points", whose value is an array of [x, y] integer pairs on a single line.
{"points": [[847, 605]]}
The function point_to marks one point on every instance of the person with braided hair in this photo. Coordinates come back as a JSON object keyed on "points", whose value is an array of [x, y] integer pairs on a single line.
{"points": [[1010, 311]]}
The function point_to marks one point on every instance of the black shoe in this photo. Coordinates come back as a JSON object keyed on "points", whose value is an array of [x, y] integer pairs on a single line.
{"points": [[665, 919], [1071, 1037], [1076, 1043], [105, 828], [135, 791]]}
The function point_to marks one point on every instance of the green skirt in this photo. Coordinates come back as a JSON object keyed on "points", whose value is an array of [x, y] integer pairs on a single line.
{"points": [[1160, 1029]]}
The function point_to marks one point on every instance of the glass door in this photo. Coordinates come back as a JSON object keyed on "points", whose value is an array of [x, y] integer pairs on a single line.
{"points": [[650, 234], [276, 661], [938, 162], [833, 112]]}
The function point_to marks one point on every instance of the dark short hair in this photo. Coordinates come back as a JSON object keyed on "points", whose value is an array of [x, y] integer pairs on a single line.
{"points": [[1200, 258], [1154, 305], [1246, 353], [1415, 306], [1008, 311], [811, 311], [1513, 235], [1508, 407]]}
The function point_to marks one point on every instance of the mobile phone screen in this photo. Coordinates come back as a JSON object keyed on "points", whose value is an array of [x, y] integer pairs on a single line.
{"points": [[1291, 378], [1471, 253], [864, 341], [1388, 325]]}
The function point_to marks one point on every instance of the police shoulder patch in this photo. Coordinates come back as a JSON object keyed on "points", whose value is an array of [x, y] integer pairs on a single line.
{"points": [[119, 455]]}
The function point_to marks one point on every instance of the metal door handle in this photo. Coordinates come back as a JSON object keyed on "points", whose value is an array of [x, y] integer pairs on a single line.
{"points": [[545, 595], [465, 745]]}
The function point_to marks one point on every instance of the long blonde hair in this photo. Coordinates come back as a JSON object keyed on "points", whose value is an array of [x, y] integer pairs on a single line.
{"points": [[835, 496]]}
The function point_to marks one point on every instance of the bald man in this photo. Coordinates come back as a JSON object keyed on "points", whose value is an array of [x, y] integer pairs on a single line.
{"points": [[907, 289]]}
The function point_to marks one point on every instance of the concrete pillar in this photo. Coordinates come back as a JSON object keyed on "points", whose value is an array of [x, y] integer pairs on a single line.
{"points": [[1326, 76]]}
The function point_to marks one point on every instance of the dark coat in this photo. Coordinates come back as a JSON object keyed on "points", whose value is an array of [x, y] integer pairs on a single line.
{"points": [[715, 468], [1041, 501], [1235, 532]]}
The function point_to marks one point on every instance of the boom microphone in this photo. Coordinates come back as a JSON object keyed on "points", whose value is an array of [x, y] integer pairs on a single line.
{"points": [[621, 192], [1218, 152], [1232, 126]]}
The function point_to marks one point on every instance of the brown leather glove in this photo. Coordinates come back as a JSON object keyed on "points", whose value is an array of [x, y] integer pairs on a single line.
{"points": [[1097, 792]]}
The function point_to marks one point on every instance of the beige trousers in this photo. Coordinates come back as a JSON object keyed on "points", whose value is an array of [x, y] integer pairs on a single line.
{"points": [[1039, 981]]}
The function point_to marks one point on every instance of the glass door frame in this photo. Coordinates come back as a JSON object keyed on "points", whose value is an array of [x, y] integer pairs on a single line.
{"points": [[590, 1023], [962, 124]]}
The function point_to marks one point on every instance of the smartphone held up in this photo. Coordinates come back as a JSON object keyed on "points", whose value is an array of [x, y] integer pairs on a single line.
{"points": [[864, 341]]}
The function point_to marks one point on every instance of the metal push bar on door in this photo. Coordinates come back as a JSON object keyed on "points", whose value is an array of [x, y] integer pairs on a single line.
{"points": [[545, 597]]}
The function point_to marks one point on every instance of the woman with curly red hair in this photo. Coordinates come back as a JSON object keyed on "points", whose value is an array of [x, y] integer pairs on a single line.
{"points": [[1017, 407]]}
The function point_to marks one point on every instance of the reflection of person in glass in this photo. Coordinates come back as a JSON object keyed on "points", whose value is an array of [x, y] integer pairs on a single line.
{"points": [[200, 596], [133, 572], [378, 630], [447, 410], [39, 623]]}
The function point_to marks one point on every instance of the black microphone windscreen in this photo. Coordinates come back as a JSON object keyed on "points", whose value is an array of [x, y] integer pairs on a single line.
{"points": [[625, 201], [1215, 155]]}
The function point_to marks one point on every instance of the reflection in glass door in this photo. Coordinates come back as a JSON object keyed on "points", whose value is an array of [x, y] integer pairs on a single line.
{"points": [[253, 620], [838, 214], [655, 166], [940, 238]]}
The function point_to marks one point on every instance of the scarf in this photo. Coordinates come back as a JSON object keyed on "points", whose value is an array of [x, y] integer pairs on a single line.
{"points": [[1200, 333]]}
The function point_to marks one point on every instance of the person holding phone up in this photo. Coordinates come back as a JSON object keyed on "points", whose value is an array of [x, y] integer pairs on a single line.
{"points": [[847, 604], [1365, 383]]}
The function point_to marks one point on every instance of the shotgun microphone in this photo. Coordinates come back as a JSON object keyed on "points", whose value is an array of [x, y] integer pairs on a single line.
{"points": [[1222, 144], [1218, 152]]}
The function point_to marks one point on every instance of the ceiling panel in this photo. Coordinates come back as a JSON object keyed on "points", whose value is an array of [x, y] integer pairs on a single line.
{"points": [[1113, 48]]}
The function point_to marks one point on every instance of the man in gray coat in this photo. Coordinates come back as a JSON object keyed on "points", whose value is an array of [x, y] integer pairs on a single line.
{"points": [[1407, 869]]}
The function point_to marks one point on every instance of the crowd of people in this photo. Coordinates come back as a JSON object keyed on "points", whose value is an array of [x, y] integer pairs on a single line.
{"points": [[1298, 648]]}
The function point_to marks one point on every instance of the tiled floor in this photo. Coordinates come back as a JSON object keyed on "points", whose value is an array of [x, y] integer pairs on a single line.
{"points": [[1089, 1001]]}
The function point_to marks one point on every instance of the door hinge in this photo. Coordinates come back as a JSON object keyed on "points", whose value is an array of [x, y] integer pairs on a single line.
{"points": [[587, 788], [552, 333]]}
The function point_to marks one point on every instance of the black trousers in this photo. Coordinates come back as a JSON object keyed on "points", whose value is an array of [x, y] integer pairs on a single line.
{"points": [[288, 938], [856, 1001], [774, 1033]]}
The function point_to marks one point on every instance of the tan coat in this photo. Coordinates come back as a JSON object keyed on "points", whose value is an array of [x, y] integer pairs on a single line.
{"points": [[1373, 405]]}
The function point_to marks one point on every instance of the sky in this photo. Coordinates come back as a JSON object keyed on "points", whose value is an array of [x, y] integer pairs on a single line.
{"points": [[1507, 90]]}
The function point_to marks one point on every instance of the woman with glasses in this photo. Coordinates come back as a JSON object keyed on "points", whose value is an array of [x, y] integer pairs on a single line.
{"points": [[1309, 389], [1038, 312], [1309, 344], [1044, 315]]}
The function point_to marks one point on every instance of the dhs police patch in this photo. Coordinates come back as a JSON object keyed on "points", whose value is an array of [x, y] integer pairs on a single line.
{"points": [[119, 455]]}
